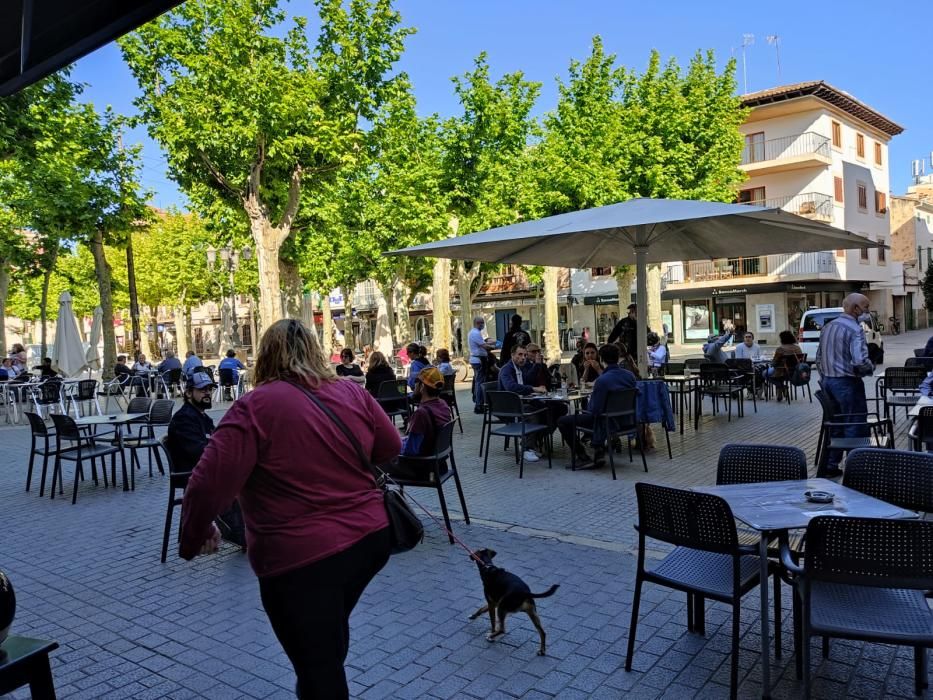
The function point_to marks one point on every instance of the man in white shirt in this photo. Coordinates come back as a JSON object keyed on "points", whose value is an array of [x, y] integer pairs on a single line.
{"points": [[748, 350], [479, 359]]}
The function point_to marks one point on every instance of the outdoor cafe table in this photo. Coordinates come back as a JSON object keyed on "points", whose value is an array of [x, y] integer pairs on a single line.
{"points": [[922, 401], [117, 420], [778, 506], [682, 380]]}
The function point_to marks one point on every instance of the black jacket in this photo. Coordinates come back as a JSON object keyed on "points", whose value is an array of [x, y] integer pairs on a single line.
{"points": [[188, 435], [378, 375]]}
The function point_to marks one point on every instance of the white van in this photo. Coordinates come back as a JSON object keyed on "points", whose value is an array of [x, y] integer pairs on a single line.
{"points": [[812, 322]]}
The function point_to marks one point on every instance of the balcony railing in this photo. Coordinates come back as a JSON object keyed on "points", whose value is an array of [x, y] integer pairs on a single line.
{"points": [[798, 145], [813, 205], [784, 265]]}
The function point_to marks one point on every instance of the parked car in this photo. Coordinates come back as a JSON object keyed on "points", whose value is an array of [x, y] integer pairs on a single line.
{"points": [[811, 325]]}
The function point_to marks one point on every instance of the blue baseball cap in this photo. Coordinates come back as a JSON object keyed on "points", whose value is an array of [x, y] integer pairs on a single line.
{"points": [[202, 380]]}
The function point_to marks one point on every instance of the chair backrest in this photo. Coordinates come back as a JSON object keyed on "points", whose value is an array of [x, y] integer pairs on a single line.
{"points": [[228, 377], [139, 404], [450, 381], [87, 389], [504, 403], [620, 403], [919, 352], [443, 440], [870, 551], [112, 388], [924, 425], [489, 386], [694, 362], [685, 518], [903, 378], [161, 411], [37, 425], [173, 376], [751, 464], [48, 392], [673, 368], [740, 363], [896, 476], [925, 362], [66, 427], [827, 404], [711, 372], [392, 389]]}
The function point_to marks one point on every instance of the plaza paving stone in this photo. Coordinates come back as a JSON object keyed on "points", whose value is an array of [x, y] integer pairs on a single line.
{"points": [[89, 577]]}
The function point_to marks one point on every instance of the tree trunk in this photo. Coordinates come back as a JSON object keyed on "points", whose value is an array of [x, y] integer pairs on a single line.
{"points": [[625, 275], [268, 241], [654, 298], [327, 323], [383, 340], [388, 295], [4, 292], [44, 303], [138, 330], [440, 294], [403, 331], [551, 342], [292, 291], [465, 279], [102, 270], [181, 330], [144, 318], [349, 337], [253, 329]]}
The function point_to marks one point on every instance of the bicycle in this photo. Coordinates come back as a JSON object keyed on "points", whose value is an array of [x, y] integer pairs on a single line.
{"points": [[895, 325]]}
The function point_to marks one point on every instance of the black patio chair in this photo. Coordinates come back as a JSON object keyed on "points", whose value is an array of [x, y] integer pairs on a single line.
{"points": [[114, 389], [693, 363], [160, 415], [40, 432], [864, 579], [899, 388], [177, 481], [717, 382], [81, 447], [48, 395], [228, 384], [172, 381], [902, 478], [743, 370], [707, 561], [880, 431], [925, 362], [488, 418], [85, 393], [431, 471], [509, 408], [392, 395], [449, 394], [921, 432], [618, 420]]}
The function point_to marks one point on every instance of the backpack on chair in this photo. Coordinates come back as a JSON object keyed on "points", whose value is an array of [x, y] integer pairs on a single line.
{"points": [[801, 374]]}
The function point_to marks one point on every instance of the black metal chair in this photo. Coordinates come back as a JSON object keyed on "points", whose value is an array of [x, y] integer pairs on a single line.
{"points": [[880, 431], [717, 382], [752, 464], [228, 384], [172, 381], [896, 476], [925, 362], [431, 471], [693, 363], [160, 415], [488, 418], [900, 388], [85, 393], [176, 481], [40, 431], [450, 398], [114, 389], [707, 561], [509, 408], [864, 579], [921, 432], [618, 418], [743, 370], [80, 447], [47, 395], [393, 397]]}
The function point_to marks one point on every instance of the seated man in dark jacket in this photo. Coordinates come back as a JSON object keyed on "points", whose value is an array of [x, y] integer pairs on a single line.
{"points": [[613, 378], [928, 350], [188, 434]]}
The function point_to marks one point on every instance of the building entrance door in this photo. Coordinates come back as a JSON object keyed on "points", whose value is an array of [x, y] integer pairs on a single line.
{"points": [[730, 315]]}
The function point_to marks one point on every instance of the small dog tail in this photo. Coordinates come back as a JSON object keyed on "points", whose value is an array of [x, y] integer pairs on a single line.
{"points": [[549, 592]]}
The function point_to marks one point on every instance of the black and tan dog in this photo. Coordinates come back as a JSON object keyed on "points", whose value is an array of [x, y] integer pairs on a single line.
{"points": [[507, 593]]}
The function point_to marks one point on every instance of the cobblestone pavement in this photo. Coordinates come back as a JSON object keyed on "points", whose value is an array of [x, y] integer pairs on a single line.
{"points": [[89, 577]]}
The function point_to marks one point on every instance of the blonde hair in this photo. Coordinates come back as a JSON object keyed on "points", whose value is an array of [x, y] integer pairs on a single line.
{"points": [[376, 359], [289, 351]]}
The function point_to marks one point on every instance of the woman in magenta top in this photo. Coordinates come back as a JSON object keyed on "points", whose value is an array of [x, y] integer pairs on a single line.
{"points": [[316, 526]]}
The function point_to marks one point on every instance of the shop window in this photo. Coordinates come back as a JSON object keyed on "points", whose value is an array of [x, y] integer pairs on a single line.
{"points": [[601, 271]]}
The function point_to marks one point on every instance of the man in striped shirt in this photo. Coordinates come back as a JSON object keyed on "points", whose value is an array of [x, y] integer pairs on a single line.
{"points": [[842, 359]]}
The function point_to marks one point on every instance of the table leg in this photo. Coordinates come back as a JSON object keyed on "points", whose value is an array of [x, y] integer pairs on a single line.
{"points": [[126, 485], [765, 617], [41, 686], [683, 388]]}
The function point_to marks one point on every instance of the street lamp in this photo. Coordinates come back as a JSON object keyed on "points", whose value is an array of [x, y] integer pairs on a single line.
{"points": [[230, 257]]}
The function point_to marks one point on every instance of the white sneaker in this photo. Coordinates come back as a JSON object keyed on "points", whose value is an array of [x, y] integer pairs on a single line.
{"points": [[531, 456]]}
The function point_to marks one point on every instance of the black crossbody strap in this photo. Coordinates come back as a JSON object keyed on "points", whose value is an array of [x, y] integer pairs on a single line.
{"points": [[377, 473]]}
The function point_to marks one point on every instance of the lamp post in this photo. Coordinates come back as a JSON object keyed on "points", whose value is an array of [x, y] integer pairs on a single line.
{"points": [[230, 258]]}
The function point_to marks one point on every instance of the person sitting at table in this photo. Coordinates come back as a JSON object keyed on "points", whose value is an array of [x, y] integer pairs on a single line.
{"points": [[231, 361], [777, 372], [121, 371], [657, 353], [613, 378], [748, 349], [6, 369], [539, 373], [419, 360], [169, 363], [192, 362], [590, 369], [518, 376], [442, 362], [18, 358], [142, 364], [349, 368], [577, 359], [378, 372], [45, 369], [431, 415]]}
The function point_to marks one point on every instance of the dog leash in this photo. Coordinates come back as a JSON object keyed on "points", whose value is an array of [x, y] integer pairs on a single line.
{"points": [[441, 525]]}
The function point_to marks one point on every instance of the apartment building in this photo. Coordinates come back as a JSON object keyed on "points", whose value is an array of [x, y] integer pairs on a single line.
{"points": [[912, 245], [816, 151]]}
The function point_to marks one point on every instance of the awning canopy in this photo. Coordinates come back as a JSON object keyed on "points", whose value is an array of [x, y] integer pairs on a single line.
{"points": [[37, 37]]}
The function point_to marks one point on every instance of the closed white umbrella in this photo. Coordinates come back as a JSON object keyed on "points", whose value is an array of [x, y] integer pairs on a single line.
{"points": [[93, 352], [68, 351]]}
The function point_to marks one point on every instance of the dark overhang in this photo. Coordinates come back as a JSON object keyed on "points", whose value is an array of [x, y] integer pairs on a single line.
{"points": [[37, 37]]}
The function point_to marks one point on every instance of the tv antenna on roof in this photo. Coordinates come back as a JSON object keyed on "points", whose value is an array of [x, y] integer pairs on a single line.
{"points": [[775, 41], [747, 40]]}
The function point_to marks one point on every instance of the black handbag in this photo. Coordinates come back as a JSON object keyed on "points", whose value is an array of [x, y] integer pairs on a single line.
{"points": [[405, 528]]}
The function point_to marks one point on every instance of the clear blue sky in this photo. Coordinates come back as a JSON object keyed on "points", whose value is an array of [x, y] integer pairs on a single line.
{"points": [[879, 56]]}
